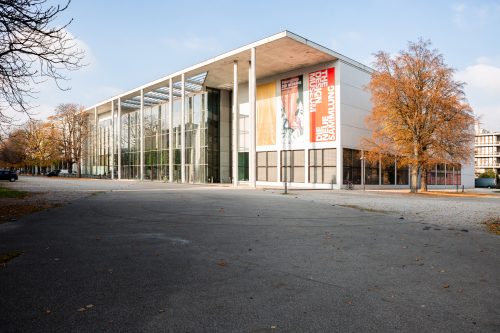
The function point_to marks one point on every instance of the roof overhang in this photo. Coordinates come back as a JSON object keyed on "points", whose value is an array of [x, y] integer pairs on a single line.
{"points": [[276, 54]]}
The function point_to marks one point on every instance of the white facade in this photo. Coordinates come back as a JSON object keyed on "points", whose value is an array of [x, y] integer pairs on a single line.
{"points": [[301, 143]]}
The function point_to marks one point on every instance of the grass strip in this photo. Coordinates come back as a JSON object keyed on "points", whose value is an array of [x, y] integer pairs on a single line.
{"points": [[6, 192]]}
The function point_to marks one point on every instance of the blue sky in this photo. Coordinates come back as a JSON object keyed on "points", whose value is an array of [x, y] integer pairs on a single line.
{"points": [[129, 43]]}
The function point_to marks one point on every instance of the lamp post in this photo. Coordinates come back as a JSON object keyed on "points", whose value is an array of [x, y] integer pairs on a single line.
{"points": [[363, 158]]}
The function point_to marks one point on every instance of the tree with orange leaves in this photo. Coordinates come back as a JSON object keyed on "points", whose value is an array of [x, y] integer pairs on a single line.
{"points": [[419, 112]]}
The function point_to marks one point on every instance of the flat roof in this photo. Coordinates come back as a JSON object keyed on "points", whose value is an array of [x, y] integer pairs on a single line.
{"points": [[279, 53]]}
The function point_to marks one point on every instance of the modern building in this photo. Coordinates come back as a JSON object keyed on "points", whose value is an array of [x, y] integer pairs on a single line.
{"points": [[282, 109], [486, 151]]}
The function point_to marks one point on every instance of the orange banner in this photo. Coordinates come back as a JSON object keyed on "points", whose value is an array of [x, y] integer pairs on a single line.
{"points": [[322, 105]]}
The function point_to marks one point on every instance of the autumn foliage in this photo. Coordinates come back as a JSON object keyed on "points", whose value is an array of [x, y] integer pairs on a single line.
{"points": [[419, 112], [44, 144]]}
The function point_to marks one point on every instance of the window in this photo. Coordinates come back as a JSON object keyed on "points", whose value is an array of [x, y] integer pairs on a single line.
{"points": [[388, 174], [352, 165], [267, 166], [323, 166], [243, 166], [292, 166], [371, 173], [440, 174]]}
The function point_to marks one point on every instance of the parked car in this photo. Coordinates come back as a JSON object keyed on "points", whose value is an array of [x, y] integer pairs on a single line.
{"points": [[65, 172], [486, 182], [53, 173], [8, 175]]}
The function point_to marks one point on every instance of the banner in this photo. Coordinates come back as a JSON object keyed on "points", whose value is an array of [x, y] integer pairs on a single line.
{"points": [[266, 114], [322, 115], [292, 110]]}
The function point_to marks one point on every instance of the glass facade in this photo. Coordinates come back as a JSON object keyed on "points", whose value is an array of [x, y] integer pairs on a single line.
{"points": [[130, 142], [156, 142], [372, 173], [388, 174], [212, 137], [402, 176], [202, 137], [104, 147], [441, 174], [352, 165], [201, 130], [445, 174]]}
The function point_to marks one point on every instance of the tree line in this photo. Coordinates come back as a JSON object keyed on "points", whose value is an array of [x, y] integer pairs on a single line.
{"points": [[38, 146]]}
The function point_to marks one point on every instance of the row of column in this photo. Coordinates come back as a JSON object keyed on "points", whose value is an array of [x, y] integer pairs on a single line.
{"points": [[235, 124]]}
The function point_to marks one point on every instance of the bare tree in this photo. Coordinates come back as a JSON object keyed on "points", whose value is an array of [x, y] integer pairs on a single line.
{"points": [[32, 49], [73, 128], [420, 113]]}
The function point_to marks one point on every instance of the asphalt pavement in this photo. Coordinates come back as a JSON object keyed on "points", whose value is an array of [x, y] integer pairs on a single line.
{"points": [[181, 258]]}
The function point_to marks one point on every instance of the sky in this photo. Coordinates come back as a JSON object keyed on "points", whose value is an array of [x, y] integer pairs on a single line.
{"points": [[129, 43]]}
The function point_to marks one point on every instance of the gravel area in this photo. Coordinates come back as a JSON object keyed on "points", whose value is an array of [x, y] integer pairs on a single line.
{"points": [[469, 210]]}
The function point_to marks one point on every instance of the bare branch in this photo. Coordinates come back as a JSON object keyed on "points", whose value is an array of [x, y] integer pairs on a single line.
{"points": [[32, 49]]}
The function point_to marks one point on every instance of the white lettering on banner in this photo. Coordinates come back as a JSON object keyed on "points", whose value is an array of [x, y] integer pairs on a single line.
{"points": [[317, 82]]}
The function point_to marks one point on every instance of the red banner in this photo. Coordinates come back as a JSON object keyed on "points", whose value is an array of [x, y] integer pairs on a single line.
{"points": [[322, 105]]}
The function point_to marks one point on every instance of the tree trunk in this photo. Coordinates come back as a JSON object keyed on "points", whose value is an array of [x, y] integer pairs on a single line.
{"points": [[423, 181], [79, 169], [414, 179]]}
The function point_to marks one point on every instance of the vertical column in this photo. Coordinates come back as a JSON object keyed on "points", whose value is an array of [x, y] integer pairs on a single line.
{"points": [[362, 170], [119, 138], [171, 132], [445, 176], [236, 123], [251, 94], [183, 131], [141, 115], [112, 164], [380, 171], [95, 134], [395, 171]]}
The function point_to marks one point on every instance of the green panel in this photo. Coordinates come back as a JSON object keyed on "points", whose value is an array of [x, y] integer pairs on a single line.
{"points": [[243, 166]]}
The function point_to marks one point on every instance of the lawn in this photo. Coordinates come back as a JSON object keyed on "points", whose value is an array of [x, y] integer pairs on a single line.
{"points": [[10, 193]]}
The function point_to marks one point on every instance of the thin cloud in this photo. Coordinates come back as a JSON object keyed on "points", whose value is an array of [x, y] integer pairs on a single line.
{"points": [[482, 76], [482, 91], [192, 43], [458, 13], [465, 16]]}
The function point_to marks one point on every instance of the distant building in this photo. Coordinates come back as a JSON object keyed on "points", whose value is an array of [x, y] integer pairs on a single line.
{"points": [[280, 109], [486, 151]]}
